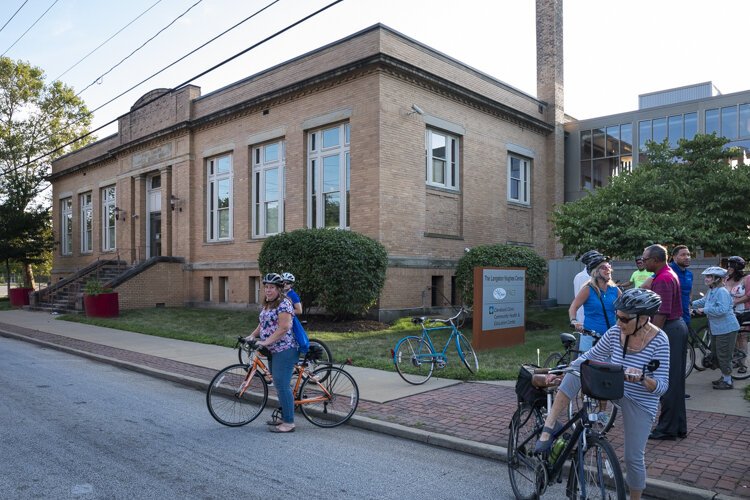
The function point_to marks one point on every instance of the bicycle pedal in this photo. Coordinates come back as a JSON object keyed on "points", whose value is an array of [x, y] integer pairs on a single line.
{"points": [[440, 365]]}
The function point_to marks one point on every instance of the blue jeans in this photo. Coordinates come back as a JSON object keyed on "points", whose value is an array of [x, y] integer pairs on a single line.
{"points": [[281, 371]]}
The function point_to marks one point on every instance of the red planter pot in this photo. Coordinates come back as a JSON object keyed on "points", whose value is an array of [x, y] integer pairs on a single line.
{"points": [[19, 296], [104, 305]]}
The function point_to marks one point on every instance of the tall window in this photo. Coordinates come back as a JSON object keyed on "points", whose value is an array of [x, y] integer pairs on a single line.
{"points": [[442, 159], [219, 198], [328, 168], [268, 188], [519, 179], [66, 226], [87, 223], [108, 218]]}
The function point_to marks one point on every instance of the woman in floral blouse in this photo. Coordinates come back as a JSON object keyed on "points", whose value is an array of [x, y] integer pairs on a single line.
{"points": [[275, 333]]}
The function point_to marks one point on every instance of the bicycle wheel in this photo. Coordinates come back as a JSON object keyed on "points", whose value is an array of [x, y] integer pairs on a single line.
{"points": [[699, 349], [739, 361], [689, 359], [232, 403], [414, 359], [338, 397], [466, 353], [600, 472], [553, 360], [527, 474], [606, 412]]}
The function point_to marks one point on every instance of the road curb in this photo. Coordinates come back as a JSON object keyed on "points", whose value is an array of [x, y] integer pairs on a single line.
{"points": [[655, 487]]}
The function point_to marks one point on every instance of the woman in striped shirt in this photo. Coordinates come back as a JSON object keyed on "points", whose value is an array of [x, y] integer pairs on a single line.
{"points": [[633, 342]]}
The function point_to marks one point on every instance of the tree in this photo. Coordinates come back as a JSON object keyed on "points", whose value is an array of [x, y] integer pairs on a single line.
{"points": [[37, 121], [693, 194]]}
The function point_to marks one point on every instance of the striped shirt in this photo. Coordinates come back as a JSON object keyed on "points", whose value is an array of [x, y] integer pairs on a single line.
{"points": [[609, 350]]}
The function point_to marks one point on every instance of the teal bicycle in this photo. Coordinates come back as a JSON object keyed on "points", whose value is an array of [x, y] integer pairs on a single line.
{"points": [[415, 357]]}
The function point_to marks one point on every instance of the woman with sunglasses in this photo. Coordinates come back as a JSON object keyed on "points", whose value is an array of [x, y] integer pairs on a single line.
{"points": [[633, 342]]}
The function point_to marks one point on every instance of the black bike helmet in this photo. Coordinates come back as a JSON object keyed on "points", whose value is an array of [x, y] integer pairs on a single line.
{"points": [[736, 262], [638, 301], [585, 258], [595, 262], [273, 279]]}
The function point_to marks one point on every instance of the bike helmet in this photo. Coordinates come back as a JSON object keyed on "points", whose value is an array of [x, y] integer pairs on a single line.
{"points": [[638, 301], [736, 262], [585, 258], [595, 261], [715, 271], [273, 279], [288, 278]]}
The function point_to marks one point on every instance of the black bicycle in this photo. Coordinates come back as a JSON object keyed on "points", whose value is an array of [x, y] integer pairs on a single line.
{"points": [[595, 469], [605, 415], [700, 354]]}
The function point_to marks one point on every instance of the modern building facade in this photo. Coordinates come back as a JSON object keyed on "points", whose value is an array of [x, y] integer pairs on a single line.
{"points": [[599, 148], [376, 133]]}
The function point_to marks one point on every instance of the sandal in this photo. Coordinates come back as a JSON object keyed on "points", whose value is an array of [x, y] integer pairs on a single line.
{"points": [[274, 421], [544, 445], [277, 429]]}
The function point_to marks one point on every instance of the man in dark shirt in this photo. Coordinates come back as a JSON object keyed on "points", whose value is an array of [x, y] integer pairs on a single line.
{"points": [[673, 418], [680, 263]]}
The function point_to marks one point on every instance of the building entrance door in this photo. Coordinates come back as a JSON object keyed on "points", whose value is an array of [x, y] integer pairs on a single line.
{"points": [[154, 237]]}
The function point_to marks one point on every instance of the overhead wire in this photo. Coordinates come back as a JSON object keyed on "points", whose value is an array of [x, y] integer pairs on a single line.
{"points": [[183, 84], [14, 15], [139, 48], [29, 28], [108, 39]]}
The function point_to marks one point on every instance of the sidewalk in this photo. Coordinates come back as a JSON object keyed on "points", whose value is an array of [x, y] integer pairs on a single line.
{"points": [[471, 417]]}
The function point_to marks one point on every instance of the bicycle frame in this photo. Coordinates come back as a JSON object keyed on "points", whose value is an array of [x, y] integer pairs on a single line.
{"points": [[439, 356]]}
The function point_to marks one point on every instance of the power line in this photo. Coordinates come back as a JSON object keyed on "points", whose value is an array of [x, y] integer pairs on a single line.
{"points": [[139, 48], [14, 15], [24, 33], [107, 40], [181, 85]]}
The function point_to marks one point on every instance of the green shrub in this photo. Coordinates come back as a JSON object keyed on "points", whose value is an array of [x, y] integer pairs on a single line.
{"points": [[342, 271], [499, 256]]}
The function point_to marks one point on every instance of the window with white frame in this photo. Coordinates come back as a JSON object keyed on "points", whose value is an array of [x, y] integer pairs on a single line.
{"points": [[219, 198], [108, 218], [87, 223], [328, 171], [519, 179], [268, 188], [66, 226], [442, 159]]}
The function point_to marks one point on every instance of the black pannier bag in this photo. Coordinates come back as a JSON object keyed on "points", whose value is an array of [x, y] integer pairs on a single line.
{"points": [[525, 391], [604, 381]]}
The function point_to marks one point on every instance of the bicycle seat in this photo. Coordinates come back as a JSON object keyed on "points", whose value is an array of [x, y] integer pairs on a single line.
{"points": [[567, 339], [418, 320]]}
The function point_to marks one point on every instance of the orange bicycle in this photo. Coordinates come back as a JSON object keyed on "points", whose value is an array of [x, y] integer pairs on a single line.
{"points": [[327, 396]]}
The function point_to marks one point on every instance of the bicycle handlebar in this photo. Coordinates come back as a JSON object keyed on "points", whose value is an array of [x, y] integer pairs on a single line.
{"points": [[418, 320]]}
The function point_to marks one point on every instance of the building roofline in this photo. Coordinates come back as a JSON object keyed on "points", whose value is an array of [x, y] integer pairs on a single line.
{"points": [[692, 85], [374, 27]]}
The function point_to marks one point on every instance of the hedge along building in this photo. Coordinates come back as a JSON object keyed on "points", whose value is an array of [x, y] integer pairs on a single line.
{"points": [[374, 133]]}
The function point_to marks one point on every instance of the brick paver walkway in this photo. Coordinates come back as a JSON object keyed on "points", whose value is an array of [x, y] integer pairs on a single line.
{"points": [[712, 457]]}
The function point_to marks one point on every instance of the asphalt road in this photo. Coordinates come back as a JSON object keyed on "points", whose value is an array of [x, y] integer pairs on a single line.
{"points": [[74, 428]]}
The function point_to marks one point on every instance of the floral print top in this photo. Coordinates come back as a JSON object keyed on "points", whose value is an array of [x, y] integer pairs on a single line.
{"points": [[269, 321]]}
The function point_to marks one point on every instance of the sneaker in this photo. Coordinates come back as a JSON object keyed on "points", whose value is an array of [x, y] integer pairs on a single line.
{"points": [[742, 369], [723, 386], [717, 382]]}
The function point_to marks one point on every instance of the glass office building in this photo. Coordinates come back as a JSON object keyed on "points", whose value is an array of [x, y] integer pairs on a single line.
{"points": [[598, 149]]}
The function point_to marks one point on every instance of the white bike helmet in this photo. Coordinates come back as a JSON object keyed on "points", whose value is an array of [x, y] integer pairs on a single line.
{"points": [[288, 278]]}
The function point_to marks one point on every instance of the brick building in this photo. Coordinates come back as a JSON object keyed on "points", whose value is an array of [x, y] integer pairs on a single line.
{"points": [[375, 133]]}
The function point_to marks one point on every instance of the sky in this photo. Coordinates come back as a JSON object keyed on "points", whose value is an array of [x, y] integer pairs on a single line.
{"points": [[614, 50]]}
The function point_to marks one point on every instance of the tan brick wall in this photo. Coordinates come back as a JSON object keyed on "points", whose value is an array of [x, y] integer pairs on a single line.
{"points": [[162, 283]]}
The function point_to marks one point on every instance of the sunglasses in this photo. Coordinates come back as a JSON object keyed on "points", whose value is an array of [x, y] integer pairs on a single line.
{"points": [[622, 319]]}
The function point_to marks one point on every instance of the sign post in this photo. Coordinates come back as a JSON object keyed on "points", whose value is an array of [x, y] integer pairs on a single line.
{"points": [[499, 307]]}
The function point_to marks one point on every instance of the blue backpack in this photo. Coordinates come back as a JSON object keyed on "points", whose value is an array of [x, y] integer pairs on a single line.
{"points": [[300, 335]]}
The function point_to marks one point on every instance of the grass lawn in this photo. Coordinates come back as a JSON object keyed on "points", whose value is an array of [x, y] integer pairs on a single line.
{"points": [[368, 349]]}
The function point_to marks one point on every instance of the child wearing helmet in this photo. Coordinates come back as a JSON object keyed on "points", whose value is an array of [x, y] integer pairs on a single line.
{"points": [[289, 280], [717, 306]]}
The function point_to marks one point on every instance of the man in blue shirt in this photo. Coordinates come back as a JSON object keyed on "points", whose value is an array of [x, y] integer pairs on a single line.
{"points": [[680, 263]]}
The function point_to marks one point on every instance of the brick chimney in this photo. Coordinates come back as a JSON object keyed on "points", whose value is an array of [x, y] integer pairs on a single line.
{"points": [[550, 89]]}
